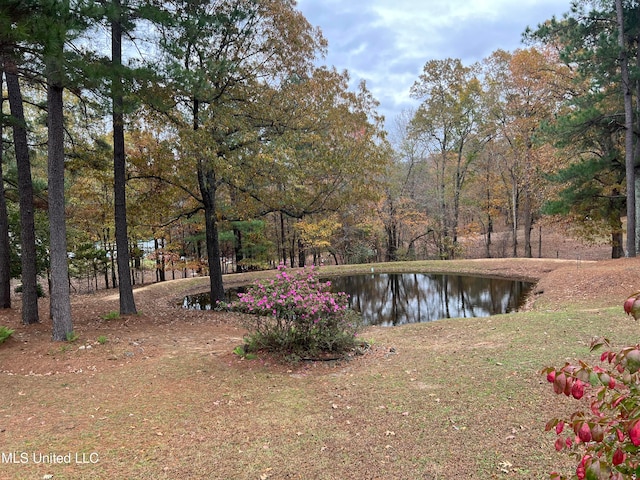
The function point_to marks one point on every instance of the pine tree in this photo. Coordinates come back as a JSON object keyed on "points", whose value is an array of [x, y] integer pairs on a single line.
{"points": [[57, 18]]}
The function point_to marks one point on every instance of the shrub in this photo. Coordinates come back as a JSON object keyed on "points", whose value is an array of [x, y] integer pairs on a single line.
{"points": [[5, 333], [111, 315], [39, 290], [605, 438], [297, 315]]}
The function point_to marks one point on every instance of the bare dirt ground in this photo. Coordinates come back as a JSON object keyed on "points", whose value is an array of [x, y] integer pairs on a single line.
{"points": [[163, 330]]}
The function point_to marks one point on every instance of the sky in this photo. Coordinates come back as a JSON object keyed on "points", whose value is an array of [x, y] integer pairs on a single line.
{"points": [[388, 42]]}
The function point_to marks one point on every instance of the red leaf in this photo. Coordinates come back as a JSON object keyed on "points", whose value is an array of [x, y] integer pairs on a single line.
{"points": [[618, 457]]}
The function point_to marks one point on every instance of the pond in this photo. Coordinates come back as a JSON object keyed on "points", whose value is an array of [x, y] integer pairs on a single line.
{"points": [[396, 299]]}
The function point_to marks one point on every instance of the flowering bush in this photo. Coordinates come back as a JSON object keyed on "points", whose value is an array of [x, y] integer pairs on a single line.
{"points": [[297, 315], [606, 437]]}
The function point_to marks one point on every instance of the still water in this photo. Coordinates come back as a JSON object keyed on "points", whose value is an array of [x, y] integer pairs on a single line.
{"points": [[396, 299]]}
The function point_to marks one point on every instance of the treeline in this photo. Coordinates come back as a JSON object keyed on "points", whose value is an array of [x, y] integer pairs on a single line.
{"points": [[209, 130], [547, 133]]}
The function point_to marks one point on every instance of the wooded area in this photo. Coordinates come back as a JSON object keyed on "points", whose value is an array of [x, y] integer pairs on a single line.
{"points": [[208, 137]]}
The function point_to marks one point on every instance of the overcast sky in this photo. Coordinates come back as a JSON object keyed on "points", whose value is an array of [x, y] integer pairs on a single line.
{"points": [[388, 42]]}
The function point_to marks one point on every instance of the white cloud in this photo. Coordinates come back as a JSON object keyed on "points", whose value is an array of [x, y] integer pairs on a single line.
{"points": [[387, 42]]}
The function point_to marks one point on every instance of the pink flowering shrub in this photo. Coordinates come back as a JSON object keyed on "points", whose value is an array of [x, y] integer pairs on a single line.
{"points": [[605, 438], [297, 315]]}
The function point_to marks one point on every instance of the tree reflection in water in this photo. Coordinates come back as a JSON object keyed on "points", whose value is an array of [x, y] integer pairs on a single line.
{"points": [[396, 299]]}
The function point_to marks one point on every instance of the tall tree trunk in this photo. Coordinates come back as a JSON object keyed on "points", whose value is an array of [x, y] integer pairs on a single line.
{"points": [[514, 215], [208, 189], [628, 135], [127, 302], [60, 303], [527, 214], [443, 210], [207, 183], [25, 190], [5, 252]]}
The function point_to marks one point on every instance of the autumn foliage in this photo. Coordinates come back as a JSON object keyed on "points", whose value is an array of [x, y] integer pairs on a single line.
{"points": [[605, 437]]}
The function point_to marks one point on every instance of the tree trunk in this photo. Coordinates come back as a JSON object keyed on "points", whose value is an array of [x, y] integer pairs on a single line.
{"points": [[237, 248], [25, 190], [5, 252], [284, 241], [156, 247], [617, 251], [392, 243], [514, 217], [127, 302], [443, 211], [636, 150], [208, 189], [528, 223], [487, 242], [60, 303], [628, 135], [302, 254]]}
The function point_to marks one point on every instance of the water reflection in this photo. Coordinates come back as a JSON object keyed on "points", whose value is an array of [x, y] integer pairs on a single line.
{"points": [[202, 301], [396, 299]]}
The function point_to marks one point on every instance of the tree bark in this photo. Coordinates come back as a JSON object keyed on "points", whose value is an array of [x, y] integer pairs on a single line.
{"points": [[60, 303], [208, 189], [25, 191], [5, 252], [127, 302]]}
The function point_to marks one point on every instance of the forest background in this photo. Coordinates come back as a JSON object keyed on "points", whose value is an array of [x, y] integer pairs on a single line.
{"points": [[207, 137]]}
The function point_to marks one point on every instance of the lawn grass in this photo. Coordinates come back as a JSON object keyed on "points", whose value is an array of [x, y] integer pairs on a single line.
{"points": [[458, 398]]}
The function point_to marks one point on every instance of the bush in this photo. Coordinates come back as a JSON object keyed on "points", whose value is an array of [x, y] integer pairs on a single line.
{"points": [[606, 437], [297, 315], [39, 290], [5, 333]]}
